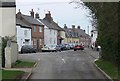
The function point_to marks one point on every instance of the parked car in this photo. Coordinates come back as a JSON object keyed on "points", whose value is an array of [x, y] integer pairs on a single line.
{"points": [[78, 47], [28, 49], [63, 47], [49, 48], [71, 45], [67, 46], [58, 48]]}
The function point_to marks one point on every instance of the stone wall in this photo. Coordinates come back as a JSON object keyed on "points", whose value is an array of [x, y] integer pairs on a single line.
{"points": [[11, 54]]}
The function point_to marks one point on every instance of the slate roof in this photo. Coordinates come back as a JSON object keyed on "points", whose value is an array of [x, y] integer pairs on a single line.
{"points": [[22, 24], [75, 33], [31, 20], [51, 25]]}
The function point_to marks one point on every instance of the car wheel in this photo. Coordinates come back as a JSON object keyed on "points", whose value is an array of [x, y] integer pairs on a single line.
{"points": [[74, 49]]}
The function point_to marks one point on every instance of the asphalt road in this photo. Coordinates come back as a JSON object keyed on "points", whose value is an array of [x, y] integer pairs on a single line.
{"points": [[64, 65]]}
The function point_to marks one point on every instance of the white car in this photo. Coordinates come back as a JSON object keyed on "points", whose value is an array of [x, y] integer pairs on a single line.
{"points": [[49, 48]]}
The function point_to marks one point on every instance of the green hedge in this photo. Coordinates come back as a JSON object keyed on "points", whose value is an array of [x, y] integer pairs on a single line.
{"points": [[107, 17]]}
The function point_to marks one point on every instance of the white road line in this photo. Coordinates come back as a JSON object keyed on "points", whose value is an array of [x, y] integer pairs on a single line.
{"points": [[63, 60], [39, 59]]}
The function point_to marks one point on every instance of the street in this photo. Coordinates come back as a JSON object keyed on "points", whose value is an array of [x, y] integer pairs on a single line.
{"points": [[64, 65]]}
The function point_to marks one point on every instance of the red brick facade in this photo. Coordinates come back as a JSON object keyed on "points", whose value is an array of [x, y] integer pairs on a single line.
{"points": [[37, 35]]}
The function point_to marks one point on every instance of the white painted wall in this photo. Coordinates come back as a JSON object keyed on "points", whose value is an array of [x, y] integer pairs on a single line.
{"points": [[7, 21], [93, 39], [21, 36], [50, 38], [0, 52], [11, 54]]}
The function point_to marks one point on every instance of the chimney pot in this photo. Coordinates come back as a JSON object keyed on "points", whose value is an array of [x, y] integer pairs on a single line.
{"points": [[37, 16], [32, 13], [48, 16], [18, 15], [78, 27], [73, 26], [65, 26], [84, 30]]}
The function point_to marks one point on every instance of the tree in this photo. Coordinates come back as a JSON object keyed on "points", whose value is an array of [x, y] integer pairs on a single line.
{"points": [[105, 19]]}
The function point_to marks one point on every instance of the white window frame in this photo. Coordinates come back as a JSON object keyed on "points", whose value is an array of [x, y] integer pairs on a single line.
{"points": [[50, 31], [25, 33], [40, 41], [35, 41], [40, 29]]}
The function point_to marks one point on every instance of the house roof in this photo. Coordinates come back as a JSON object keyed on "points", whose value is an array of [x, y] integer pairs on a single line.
{"points": [[51, 25], [21, 23], [7, 4], [75, 32], [31, 20]]}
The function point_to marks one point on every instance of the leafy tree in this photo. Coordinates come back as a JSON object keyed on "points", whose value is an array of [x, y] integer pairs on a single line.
{"points": [[105, 18]]}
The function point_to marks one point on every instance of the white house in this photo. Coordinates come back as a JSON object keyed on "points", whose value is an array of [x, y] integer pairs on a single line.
{"points": [[51, 30], [8, 28], [7, 18], [23, 34], [94, 34]]}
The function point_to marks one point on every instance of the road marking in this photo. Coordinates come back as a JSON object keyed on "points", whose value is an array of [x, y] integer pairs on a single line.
{"points": [[39, 59], [63, 60]]}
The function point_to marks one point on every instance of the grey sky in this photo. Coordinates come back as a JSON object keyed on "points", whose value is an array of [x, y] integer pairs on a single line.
{"points": [[62, 12]]}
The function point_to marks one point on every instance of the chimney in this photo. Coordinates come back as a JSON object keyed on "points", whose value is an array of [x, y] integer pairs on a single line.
{"points": [[78, 27], [65, 26], [48, 17], [73, 26], [18, 15], [32, 13], [84, 30], [37, 16]]}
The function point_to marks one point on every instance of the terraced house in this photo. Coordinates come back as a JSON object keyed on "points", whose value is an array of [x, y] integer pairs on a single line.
{"points": [[37, 29], [76, 35], [53, 33]]}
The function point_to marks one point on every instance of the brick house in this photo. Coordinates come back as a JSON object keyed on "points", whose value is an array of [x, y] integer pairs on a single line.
{"points": [[37, 32]]}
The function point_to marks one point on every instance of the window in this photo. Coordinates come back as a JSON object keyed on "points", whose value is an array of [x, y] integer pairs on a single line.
{"points": [[54, 31], [54, 42], [25, 33], [35, 41], [40, 41], [40, 29], [50, 40], [50, 31], [34, 28]]}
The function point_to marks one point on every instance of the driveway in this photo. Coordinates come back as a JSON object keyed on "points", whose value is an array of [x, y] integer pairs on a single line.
{"points": [[64, 65]]}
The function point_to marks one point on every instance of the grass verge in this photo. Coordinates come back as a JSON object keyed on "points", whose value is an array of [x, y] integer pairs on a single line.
{"points": [[10, 75], [23, 64], [109, 69]]}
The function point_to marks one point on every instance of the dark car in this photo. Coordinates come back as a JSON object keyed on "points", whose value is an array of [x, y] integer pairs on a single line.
{"points": [[28, 49], [63, 47], [58, 48], [78, 47]]}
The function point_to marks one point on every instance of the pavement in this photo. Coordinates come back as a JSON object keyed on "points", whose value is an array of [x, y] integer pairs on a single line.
{"points": [[64, 65]]}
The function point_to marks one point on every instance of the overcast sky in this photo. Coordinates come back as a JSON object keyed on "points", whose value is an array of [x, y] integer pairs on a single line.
{"points": [[61, 11]]}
